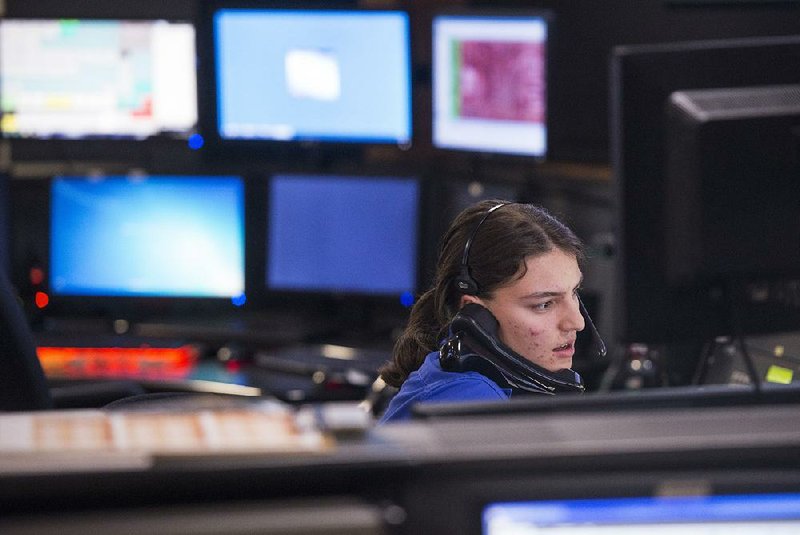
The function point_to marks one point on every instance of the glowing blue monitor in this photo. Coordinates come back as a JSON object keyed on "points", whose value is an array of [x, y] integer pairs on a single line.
{"points": [[746, 514], [313, 75], [155, 236], [344, 235]]}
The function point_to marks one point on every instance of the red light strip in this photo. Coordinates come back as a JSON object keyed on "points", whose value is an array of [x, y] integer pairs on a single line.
{"points": [[137, 362]]}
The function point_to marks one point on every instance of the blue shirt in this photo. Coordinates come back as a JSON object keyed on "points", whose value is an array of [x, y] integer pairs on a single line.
{"points": [[431, 383]]}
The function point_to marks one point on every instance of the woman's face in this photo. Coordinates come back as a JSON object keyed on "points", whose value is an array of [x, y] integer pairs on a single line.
{"points": [[539, 314]]}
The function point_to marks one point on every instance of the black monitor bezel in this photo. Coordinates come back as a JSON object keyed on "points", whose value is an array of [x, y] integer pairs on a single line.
{"points": [[323, 152], [611, 482], [363, 314], [477, 13], [650, 309], [136, 308], [103, 148]]}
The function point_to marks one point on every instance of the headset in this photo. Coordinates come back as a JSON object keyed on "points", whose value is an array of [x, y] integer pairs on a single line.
{"points": [[473, 344], [464, 281]]}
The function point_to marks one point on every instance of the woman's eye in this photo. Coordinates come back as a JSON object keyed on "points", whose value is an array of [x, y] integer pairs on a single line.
{"points": [[543, 306]]}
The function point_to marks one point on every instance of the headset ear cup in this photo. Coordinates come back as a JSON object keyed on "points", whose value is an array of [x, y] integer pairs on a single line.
{"points": [[466, 284]]}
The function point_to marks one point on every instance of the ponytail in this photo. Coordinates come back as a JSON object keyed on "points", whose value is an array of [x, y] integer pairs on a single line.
{"points": [[419, 338]]}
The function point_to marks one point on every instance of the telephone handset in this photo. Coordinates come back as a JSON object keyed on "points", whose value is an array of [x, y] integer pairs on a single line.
{"points": [[473, 345]]}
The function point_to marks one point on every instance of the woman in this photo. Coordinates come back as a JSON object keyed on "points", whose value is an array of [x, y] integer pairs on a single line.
{"points": [[502, 315]]}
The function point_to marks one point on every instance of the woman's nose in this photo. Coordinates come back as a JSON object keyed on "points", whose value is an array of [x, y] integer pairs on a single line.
{"points": [[574, 321]]}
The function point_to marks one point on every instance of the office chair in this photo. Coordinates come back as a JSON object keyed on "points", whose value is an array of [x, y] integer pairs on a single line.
{"points": [[22, 382], [23, 385]]}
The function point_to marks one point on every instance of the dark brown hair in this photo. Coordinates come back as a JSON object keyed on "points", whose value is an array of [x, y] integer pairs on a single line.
{"points": [[497, 256]]}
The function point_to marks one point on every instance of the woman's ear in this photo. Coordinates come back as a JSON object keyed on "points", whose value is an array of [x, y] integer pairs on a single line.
{"points": [[469, 299]]}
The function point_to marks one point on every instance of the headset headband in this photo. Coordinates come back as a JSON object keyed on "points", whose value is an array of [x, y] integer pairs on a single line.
{"points": [[465, 283]]}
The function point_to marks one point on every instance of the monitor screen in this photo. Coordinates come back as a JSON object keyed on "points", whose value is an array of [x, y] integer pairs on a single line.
{"points": [[154, 236], [312, 75], [706, 199], [343, 234], [490, 83], [72, 79], [741, 514]]}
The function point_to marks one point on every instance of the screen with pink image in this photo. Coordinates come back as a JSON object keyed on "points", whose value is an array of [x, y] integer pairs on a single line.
{"points": [[490, 83], [502, 81]]}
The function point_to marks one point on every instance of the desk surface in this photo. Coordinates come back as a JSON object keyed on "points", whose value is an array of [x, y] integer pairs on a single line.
{"points": [[382, 459]]}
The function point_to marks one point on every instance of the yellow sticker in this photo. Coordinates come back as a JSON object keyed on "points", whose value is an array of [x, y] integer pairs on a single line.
{"points": [[778, 374]]}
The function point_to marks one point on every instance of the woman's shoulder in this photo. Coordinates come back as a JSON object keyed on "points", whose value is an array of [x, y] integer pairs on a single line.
{"points": [[439, 385], [464, 386], [431, 384]]}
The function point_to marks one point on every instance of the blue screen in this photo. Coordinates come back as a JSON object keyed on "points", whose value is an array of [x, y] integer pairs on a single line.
{"points": [[343, 234], [743, 514], [154, 236], [313, 75]]}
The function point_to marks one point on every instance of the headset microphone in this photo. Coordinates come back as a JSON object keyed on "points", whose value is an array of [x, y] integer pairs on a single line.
{"points": [[597, 340]]}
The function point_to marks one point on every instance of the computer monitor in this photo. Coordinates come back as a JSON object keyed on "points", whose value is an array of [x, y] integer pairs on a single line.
{"points": [[148, 237], [733, 160], [740, 513], [5, 225], [77, 79], [705, 156], [489, 76], [343, 236], [311, 75]]}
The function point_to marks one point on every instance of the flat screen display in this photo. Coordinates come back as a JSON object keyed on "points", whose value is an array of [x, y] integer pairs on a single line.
{"points": [[341, 234], [706, 202], [490, 83], [154, 236], [313, 75], [740, 514], [73, 79]]}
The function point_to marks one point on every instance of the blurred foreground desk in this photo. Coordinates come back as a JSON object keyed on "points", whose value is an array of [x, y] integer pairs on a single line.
{"points": [[435, 476]]}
